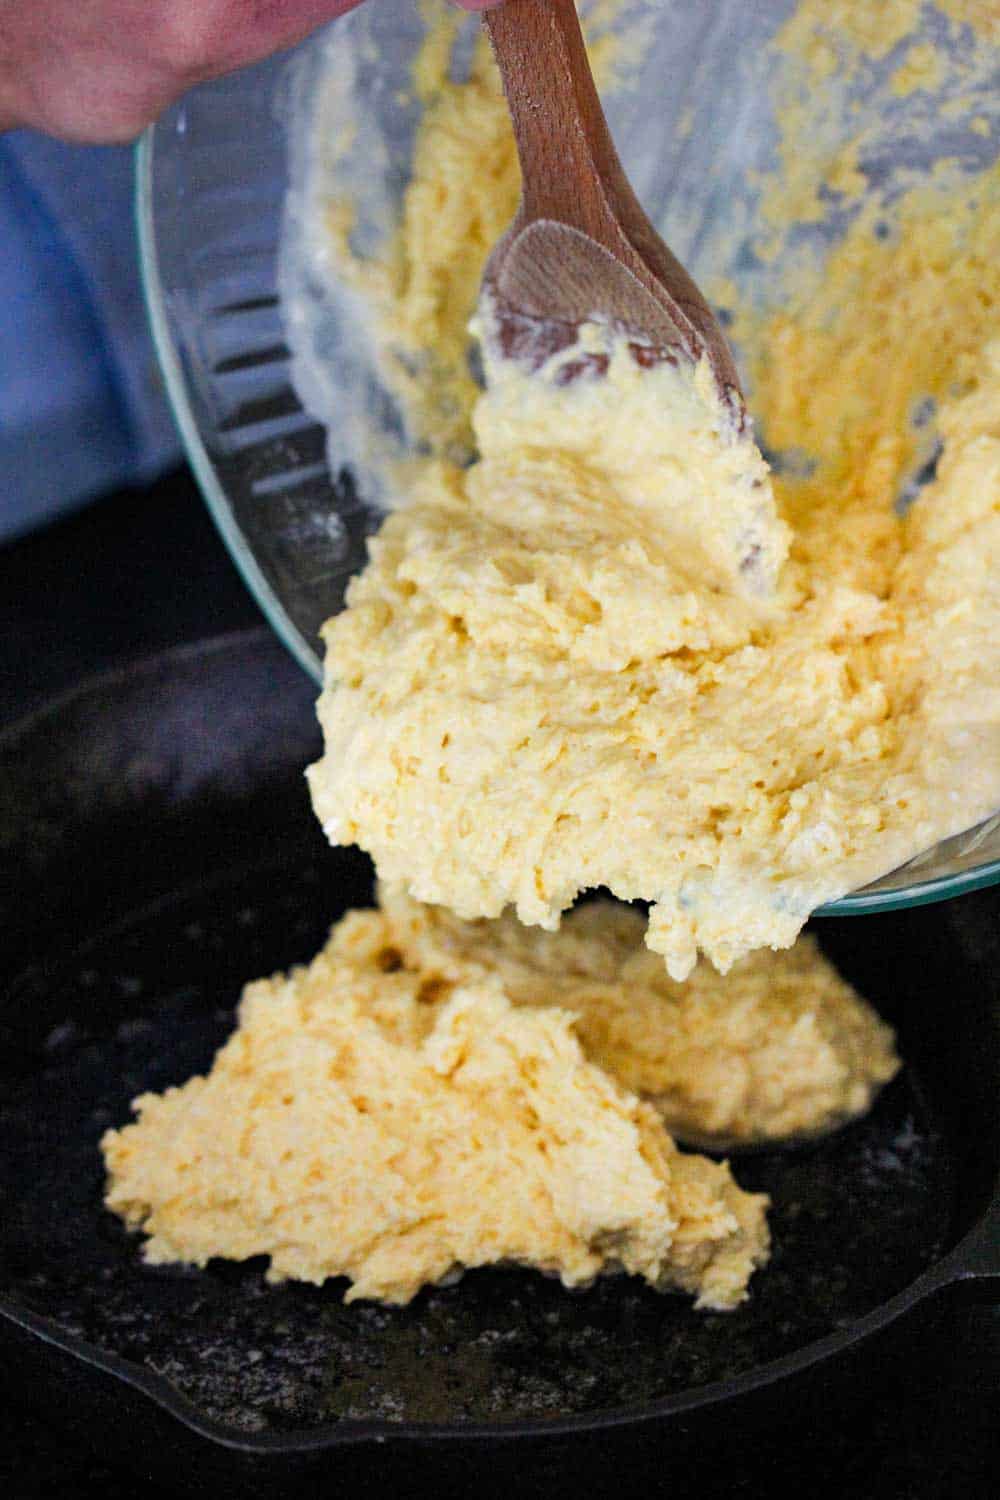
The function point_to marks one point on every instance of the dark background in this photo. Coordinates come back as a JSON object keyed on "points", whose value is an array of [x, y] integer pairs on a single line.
{"points": [[145, 570]]}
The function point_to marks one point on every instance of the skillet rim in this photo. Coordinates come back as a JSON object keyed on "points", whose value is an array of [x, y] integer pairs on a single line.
{"points": [[957, 1266]]}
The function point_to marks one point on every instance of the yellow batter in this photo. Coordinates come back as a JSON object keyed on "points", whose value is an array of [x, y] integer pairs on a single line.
{"points": [[533, 691], [545, 680], [359, 1124], [554, 675], [781, 1046]]}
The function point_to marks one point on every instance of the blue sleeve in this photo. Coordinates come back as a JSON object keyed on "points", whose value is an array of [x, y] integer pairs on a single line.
{"points": [[82, 409]]}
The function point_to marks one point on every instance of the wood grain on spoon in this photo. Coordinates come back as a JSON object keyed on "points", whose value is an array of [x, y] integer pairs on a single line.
{"points": [[580, 245]]}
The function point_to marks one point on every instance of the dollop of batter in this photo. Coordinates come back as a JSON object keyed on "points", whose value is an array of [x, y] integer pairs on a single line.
{"points": [[781, 1046], [360, 1123]]}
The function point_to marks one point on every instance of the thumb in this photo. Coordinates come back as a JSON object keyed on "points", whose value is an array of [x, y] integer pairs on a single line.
{"points": [[272, 27]]}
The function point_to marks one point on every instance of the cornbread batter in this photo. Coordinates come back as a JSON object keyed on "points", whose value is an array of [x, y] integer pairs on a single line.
{"points": [[780, 1046], [534, 690], [357, 1125], [546, 680]]}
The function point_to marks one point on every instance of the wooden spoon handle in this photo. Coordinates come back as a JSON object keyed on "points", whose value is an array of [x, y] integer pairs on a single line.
{"points": [[569, 166], [571, 175]]}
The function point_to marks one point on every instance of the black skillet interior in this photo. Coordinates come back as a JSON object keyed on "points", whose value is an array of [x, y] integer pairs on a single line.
{"points": [[156, 851]]}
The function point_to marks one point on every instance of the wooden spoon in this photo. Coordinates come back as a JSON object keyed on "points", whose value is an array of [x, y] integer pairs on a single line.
{"points": [[580, 246]]}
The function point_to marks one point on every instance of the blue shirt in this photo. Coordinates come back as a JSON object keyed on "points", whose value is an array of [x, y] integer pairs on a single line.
{"points": [[82, 407]]}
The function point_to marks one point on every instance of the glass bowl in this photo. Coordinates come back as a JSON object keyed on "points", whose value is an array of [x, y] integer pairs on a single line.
{"points": [[218, 177]]}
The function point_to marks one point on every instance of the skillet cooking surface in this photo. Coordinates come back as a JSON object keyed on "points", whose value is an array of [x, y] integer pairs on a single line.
{"points": [[853, 1221], [207, 877]]}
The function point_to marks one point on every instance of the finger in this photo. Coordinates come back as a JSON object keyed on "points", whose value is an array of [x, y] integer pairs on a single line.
{"points": [[252, 29]]}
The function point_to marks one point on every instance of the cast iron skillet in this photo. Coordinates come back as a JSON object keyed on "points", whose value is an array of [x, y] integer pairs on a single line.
{"points": [[157, 849]]}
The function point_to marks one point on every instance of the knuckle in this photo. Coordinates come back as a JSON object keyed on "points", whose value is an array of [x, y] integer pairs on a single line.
{"points": [[85, 108], [194, 39]]}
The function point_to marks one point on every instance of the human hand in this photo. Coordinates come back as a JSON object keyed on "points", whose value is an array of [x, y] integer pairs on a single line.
{"points": [[101, 70]]}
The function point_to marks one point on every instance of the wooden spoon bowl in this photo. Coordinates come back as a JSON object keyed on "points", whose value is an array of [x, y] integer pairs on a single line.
{"points": [[580, 248]]}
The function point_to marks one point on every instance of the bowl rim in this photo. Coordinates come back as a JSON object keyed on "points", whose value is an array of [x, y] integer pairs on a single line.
{"points": [[155, 299], [923, 893]]}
